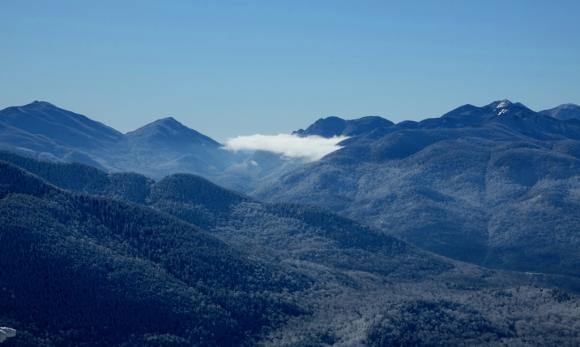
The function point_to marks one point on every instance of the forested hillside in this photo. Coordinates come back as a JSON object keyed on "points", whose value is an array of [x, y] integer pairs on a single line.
{"points": [[88, 270], [496, 185], [253, 274]]}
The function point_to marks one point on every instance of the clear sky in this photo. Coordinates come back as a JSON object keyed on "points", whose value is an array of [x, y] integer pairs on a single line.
{"points": [[228, 68]]}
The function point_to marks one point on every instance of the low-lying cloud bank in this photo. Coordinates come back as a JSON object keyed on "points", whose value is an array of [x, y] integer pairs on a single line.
{"points": [[310, 148]]}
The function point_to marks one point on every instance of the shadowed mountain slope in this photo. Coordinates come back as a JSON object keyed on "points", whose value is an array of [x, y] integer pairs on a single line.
{"points": [[273, 227], [99, 271]]}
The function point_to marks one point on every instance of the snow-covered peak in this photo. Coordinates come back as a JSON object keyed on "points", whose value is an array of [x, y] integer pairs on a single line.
{"points": [[503, 104], [502, 107]]}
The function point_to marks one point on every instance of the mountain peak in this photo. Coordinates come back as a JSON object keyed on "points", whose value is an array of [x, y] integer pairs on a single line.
{"points": [[500, 104], [569, 106], [503, 104], [501, 107], [63, 127], [40, 103], [325, 127], [167, 122], [336, 126], [168, 130], [331, 119], [168, 119], [37, 106]]}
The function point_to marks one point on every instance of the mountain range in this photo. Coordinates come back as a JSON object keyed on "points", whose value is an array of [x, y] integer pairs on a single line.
{"points": [[163, 147], [496, 185], [461, 229]]}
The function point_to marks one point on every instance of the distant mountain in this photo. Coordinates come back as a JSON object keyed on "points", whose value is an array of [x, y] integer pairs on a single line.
{"points": [[564, 112], [44, 131], [63, 127], [469, 185], [169, 133], [494, 185], [167, 146], [335, 126], [505, 117]]}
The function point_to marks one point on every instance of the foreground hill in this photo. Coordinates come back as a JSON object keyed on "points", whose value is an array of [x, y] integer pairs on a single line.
{"points": [[88, 270], [285, 230], [496, 185], [282, 275]]}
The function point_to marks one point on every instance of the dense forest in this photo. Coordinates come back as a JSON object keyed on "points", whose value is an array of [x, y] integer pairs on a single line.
{"points": [[96, 269], [93, 258]]}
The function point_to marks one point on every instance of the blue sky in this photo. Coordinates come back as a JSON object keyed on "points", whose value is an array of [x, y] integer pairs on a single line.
{"points": [[242, 67]]}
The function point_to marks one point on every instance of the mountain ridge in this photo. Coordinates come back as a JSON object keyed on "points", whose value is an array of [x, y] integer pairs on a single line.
{"points": [[444, 184], [145, 272], [45, 119], [564, 112], [336, 126], [452, 176], [168, 129]]}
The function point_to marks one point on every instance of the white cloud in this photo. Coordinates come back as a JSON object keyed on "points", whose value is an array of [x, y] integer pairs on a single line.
{"points": [[310, 148]]}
